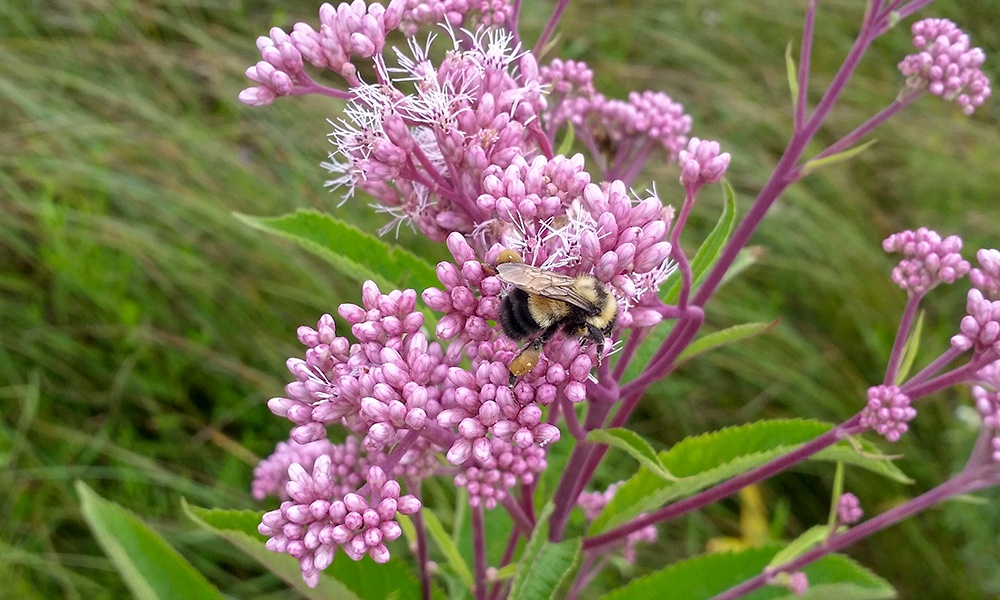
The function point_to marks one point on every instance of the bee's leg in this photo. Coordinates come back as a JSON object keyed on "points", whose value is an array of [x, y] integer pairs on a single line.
{"points": [[527, 358], [524, 361], [598, 337]]}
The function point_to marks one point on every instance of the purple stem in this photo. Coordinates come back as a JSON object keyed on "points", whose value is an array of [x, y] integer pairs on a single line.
{"points": [[583, 576], [629, 170], [422, 555], [571, 481], [521, 519], [904, 12], [780, 178], [511, 24], [394, 457], [724, 489], [683, 333], [437, 181], [805, 59], [399, 450], [549, 28], [479, 550], [543, 141], [868, 126], [953, 377], [439, 435], [631, 345], [508, 554], [902, 333], [572, 423], [307, 85], [953, 487], [661, 363], [678, 253], [946, 357]]}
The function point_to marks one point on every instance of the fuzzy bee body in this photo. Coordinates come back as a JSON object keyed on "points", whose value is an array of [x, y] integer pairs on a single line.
{"points": [[541, 303]]}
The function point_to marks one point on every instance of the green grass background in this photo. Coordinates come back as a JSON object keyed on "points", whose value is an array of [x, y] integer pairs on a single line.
{"points": [[142, 328]]}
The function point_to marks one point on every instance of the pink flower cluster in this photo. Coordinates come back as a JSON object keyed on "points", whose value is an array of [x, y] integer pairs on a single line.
{"points": [[928, 259], [798, 583], [987, 279], [946, 65], [311, 526], [422, 153], [980, 328], [849, 509], [347, 466], [386, 382], [457, 13], [702, 162], [888, 411], [534, 190], [987, 398], [571, 86], [347, 31], [485, 410], [487, 481], [593, 503], [562, 370], [623, 131], [470, 298]]}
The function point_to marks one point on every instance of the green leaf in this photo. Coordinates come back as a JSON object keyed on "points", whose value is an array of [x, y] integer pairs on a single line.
{"points": [[727, 336], [864, 454], [634, 445], [837, 577], [708, 459], [746, 258], [800, 545], [816, 163], [567, 142], [150, 567], [371, 581], [697, 578], [710, 249], [793, 74], [349, 250], [910, 350], [544, 565], [239, 528], [448, 547], [834, 577], [838, 491], [703, 461], [704, 258]]}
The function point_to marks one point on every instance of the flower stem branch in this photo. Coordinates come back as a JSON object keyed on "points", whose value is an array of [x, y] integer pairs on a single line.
{"points": [[479, 550], [422, 555], [868, 126], [517, 514], [954, 377], [902, 334], [550, 27], [724, 489], [953, 487], [805, 60], [573, 478]]}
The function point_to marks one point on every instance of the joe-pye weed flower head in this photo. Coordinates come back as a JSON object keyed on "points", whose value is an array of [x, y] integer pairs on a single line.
{"points": [[453, 135]]}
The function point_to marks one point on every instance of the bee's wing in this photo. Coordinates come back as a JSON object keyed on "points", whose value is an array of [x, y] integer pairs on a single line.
{"points": [[543, 283]]}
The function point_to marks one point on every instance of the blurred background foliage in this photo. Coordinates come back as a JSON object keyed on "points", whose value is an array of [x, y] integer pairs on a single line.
{"points": [[142, 328]]}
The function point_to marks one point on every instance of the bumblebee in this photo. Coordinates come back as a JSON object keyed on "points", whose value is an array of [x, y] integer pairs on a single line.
{"points": [[540, 303]]}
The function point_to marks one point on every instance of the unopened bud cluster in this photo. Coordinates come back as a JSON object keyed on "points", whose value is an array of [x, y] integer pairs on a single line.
{"points": [[946, 64]]}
